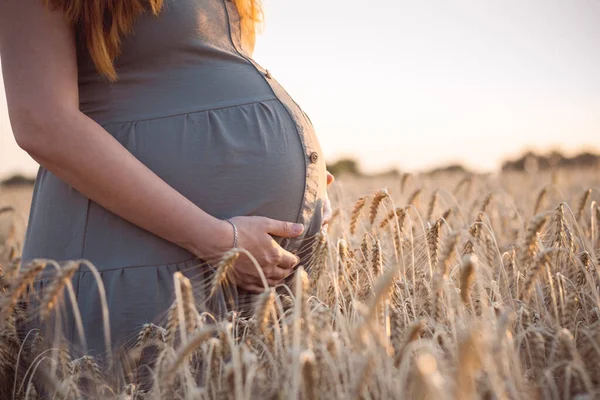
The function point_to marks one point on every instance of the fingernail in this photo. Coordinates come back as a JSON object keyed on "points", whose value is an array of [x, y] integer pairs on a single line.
{"points": [[298, 228]]}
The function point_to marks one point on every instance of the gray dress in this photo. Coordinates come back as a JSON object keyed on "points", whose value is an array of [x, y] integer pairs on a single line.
{"points": [[205, 117]]}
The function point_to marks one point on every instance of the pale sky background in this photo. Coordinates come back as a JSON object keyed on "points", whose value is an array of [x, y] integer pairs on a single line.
{"points": [[415, 84]]}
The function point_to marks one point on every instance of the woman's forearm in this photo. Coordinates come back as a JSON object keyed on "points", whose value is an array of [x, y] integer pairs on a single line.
{"points": [[84, 155]]}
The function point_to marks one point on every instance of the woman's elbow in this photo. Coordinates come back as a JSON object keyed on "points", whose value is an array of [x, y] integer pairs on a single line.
{"points": [[34, 132], [25, 140]]}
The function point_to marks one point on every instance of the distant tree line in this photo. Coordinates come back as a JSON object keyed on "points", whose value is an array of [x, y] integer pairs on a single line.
{"points": [[350, 166], [531, 161], [17, 180]]}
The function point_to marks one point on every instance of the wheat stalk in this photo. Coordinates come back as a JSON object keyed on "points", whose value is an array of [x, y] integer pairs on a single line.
{"points": [[361, 329]]}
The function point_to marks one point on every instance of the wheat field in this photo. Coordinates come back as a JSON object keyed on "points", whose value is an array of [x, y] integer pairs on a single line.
{"points": [[424, 287]]}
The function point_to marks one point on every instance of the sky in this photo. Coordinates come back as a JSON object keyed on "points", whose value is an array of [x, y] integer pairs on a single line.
{"points": [[421, 83]]}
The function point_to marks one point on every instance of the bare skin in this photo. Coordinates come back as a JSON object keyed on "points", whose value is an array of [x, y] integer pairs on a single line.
{"points": [[39, 66]]}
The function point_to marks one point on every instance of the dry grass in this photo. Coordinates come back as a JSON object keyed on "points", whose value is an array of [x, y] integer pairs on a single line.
{"points": [[449, 287]]}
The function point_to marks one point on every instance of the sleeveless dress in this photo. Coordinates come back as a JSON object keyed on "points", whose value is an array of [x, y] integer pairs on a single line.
{"points": [[196, 109]]}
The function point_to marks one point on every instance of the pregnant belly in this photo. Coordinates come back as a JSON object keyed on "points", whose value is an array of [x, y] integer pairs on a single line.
{"points": [[242, 160]]}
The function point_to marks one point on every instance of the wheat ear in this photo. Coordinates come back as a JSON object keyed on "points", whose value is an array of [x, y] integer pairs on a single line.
{"points": [[539, 200], [582, 202], [150, 331], [486, 203], [182, 355], [542, 261], [433, 241], [412, 333], [469, 361], [320, 252], [308, 365], [537, 353], [55, 289], [26, 278], [412, 200], [530, 245], [563, 235], [377, 260], [264, 307], [463, 182], [190, 312], [390, 216], [432, 204], [467, 276], [377, 199], [403, 181], [225, 264], [355, 215]]}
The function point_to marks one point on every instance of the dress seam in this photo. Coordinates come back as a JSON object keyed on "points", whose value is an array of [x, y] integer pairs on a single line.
{"points": [[85, 226], [190, 113], [142, 266], [249, 60]]}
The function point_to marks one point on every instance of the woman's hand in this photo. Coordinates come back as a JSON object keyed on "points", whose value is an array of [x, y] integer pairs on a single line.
{"points": [[327, 211], [254, 235]]}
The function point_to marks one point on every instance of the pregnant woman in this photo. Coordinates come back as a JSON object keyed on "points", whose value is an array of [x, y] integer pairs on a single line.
{"points": [[162, 143]]}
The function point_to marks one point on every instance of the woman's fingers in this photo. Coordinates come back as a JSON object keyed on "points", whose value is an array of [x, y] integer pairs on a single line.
{"points": [[247, 272], [254, 283], [256, 235], [288, 260], [330, 178], [284, 229], [252, 288], [278, 274]]}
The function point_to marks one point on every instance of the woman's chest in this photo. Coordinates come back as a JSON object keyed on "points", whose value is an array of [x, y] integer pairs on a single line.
{"points": [[185, 31]]}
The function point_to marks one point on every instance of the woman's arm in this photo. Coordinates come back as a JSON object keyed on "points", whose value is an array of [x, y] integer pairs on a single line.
{"points": [[40, 70], [40, 76]]}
